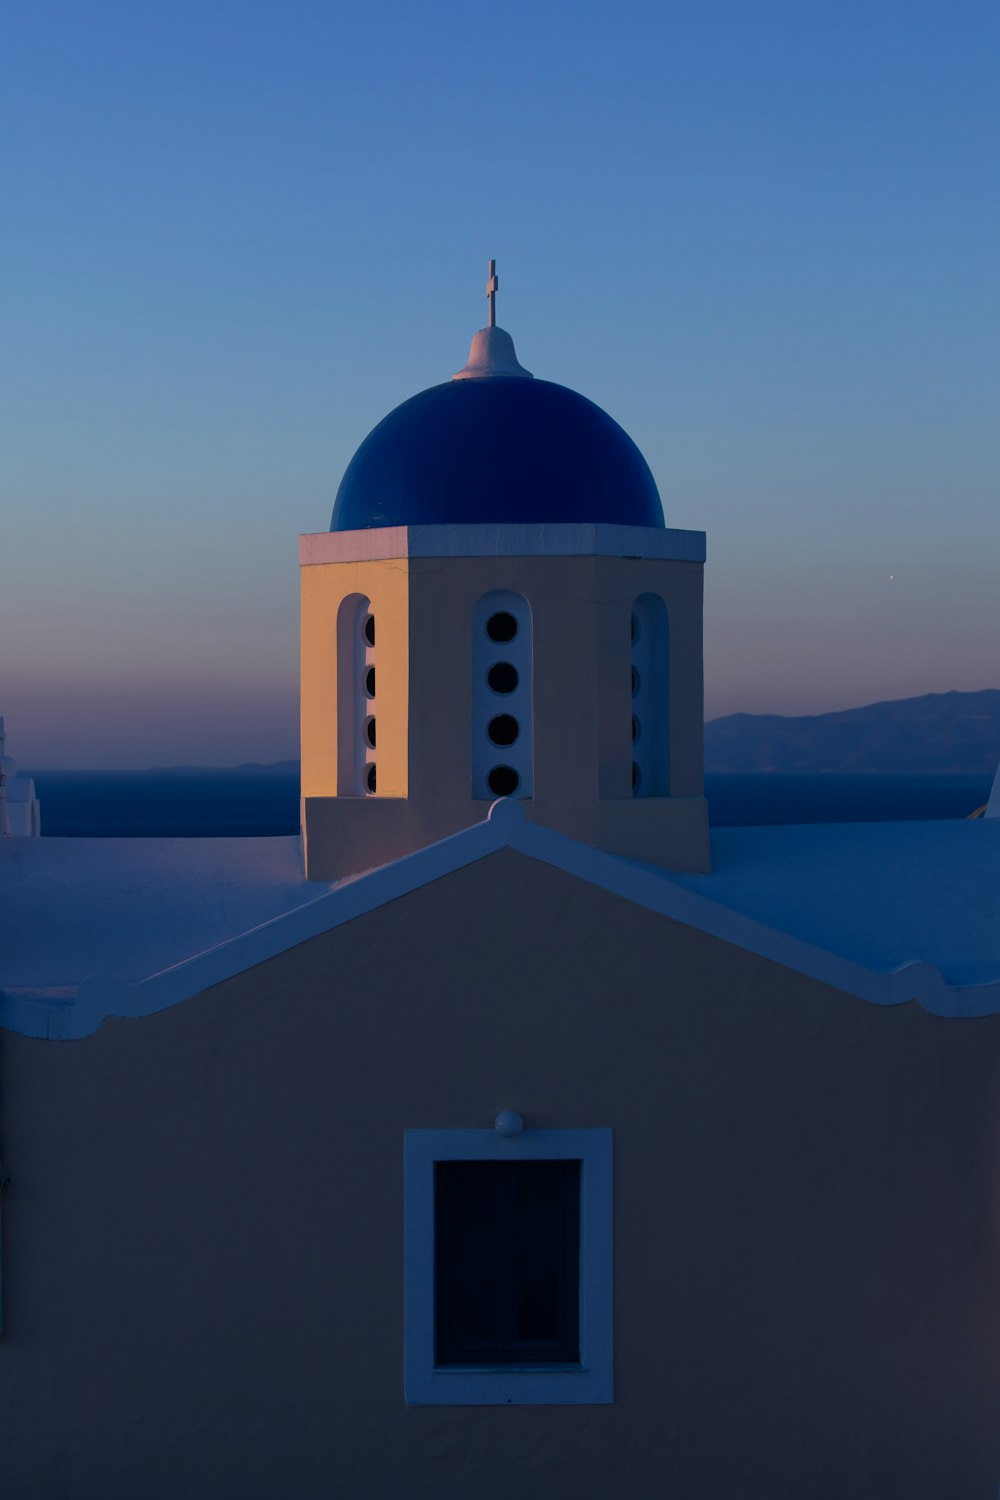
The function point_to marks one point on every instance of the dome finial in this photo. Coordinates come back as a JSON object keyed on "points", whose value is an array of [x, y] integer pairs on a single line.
{"points": [[492, 352], [492, 287]]}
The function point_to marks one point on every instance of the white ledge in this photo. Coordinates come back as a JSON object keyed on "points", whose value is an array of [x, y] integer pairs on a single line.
{"points": [[579, 539]]}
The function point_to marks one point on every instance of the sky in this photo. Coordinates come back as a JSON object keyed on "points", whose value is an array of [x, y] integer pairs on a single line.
{"points": [[763, 235]]}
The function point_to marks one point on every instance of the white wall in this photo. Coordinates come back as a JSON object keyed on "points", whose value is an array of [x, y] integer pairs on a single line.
{"points": [[203, 1245]]}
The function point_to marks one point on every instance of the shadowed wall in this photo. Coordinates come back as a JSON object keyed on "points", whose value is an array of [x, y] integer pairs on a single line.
{"points": [[203, 1246]]}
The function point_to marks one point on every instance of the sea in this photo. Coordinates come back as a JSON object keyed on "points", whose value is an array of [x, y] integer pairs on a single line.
{"points": [[264, 800]]}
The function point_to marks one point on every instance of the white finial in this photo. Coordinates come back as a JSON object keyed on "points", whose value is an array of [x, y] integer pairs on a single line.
{"points": [[492, 287], [492, 352]]}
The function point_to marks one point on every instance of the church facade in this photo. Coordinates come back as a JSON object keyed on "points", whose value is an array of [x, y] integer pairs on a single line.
{"points": [[511, 1133]]}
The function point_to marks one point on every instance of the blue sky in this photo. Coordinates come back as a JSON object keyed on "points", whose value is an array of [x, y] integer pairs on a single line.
{"points": [[763, 235]]}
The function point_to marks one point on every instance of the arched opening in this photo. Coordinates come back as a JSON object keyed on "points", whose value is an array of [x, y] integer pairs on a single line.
{"points": [[356, 701], [502, 729], [650, 726]]}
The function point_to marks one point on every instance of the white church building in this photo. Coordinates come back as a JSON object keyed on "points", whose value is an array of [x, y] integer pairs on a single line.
{"points": [[508, 1133]]}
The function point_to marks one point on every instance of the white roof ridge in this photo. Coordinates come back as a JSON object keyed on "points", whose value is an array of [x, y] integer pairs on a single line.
{"points": [[505, 827]]}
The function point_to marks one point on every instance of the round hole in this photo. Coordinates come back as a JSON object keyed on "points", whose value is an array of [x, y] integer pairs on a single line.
{"points": [[504, 729], [502, 677], [370, 682], [370, 732], [636, 682], [636, 729], [370, 777], [502, 626], [369, 629], [503, 781], [636, 628], [636, 777]]}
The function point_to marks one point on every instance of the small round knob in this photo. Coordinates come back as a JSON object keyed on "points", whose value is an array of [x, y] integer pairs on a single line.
{"points": [[508, 1122]]}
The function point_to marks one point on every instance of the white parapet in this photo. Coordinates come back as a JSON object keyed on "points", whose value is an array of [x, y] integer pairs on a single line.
{"points": [[20, 809]]}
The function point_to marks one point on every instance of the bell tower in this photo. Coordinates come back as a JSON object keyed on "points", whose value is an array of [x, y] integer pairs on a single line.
{"points": [[498, 610]]}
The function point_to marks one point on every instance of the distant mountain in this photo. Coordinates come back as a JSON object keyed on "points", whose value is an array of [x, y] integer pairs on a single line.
{"points": [[251, 768], [246, 768], [939, 732]]}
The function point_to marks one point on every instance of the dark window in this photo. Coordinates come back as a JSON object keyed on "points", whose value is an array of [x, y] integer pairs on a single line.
{"points": [[503, 781], [502, 677], [501, 627], [503, 730], [370, 778], [507, 1262]]}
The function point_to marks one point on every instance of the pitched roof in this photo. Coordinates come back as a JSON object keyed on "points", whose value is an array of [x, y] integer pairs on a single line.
{"points": [[886, 912]]}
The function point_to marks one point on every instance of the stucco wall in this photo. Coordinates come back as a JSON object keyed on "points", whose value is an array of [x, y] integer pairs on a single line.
{"points": [[386, 585], [581, 609], [203, 1245]]}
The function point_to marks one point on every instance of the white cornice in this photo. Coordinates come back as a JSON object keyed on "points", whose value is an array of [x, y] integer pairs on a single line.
{"points": [[380, 543]]}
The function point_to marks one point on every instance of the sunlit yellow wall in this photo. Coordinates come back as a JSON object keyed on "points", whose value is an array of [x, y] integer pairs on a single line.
{"points": [[324, 586], [581, 610]]}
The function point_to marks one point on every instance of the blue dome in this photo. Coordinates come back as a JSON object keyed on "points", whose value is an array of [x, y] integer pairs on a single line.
{"points": [[498, 450]]}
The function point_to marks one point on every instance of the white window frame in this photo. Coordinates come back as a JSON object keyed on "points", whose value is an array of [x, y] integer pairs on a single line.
{"points": [[651, 704], [486, 704], [355, 756], [589, 1383]]}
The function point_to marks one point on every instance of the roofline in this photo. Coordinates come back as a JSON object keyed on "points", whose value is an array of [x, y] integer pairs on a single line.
{"points": [[68, 1016], [558, 539]]}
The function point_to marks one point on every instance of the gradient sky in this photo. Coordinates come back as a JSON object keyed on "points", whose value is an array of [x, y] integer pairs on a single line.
{"points": [[765, 236]]}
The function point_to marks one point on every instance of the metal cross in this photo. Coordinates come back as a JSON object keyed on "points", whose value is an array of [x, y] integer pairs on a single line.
{"points": [[491, 293]]}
